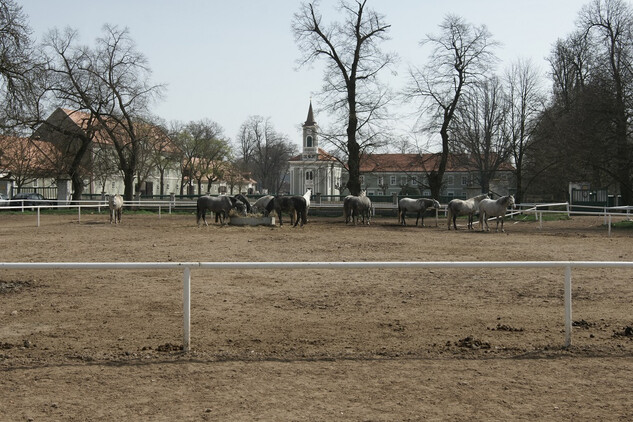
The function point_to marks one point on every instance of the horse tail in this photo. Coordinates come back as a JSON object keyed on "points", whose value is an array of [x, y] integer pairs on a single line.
{"points": [[399, 213], [198, 213]]}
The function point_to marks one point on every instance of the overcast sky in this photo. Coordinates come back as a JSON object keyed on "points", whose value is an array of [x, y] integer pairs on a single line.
{"points": [[226, 60]]}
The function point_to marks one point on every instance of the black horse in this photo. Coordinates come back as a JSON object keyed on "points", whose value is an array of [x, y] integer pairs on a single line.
{"points": [[296, 206], [244, 200]]}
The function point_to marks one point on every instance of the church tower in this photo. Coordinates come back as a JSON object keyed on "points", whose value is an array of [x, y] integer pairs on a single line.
{"points": [[310, 137], [314, 168]]}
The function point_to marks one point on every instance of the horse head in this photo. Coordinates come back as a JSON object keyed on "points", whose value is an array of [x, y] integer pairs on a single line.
{"points": [[436, 204], [511, 201]]}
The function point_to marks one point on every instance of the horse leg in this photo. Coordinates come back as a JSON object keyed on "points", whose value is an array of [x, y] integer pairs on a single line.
{"points": [[297, 217]]}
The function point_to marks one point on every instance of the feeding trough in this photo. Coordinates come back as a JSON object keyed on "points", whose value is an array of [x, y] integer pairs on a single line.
{"points": [[252, 220]]}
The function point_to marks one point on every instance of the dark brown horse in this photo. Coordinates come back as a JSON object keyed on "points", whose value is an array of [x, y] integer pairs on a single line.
{"points": [[296, 206]]}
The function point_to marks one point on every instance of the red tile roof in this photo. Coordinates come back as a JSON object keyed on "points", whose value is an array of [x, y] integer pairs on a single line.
{"points": [[420, 163]]}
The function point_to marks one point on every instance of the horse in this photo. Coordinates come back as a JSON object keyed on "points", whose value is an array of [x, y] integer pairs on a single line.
{"points": [[494, 208], [295, 205], [347, 208], [416, 205], [244, 200], [307, 196], [355, 206], [262, 203], [115, 202], [220, 205], [457, 207]]}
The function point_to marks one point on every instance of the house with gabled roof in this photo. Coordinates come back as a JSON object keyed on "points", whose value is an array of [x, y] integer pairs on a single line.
{"points": [[388, 174]]}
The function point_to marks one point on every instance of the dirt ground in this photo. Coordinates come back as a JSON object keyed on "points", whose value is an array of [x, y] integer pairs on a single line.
{"points": [[357, 345]]}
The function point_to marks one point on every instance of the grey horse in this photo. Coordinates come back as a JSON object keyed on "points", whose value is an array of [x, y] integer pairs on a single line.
{"points": [[494, 208], [355, 207], [220, 205], [457, 207], [261, 204], [418, 206]]}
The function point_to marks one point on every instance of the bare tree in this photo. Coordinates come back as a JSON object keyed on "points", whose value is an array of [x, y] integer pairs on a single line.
{"points": [[16, 62], [461, 54], [479, 130], [526, 103], [351, 90], [111, 83], [267, 150]]}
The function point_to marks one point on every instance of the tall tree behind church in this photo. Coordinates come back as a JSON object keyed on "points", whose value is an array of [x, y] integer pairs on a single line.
{"points": [[352, 91]]}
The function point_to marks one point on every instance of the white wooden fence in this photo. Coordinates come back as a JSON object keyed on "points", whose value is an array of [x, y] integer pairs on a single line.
{"points": [[565, 266]]}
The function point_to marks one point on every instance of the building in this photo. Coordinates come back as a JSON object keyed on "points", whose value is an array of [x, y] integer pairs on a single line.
{"points": [[314, 168], [389, 174], [65, 131]]}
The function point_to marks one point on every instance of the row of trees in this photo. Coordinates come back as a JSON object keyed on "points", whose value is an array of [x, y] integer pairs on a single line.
{"points": [[108, 86], [581, 131]]}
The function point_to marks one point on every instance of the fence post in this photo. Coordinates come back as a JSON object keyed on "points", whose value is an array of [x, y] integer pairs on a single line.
{"points": [[186, 345], [568, 321]]}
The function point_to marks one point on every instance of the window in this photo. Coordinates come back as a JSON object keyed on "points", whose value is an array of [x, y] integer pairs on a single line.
{"points": [[403, 180], [309, 175], [414, 180], [113, 185], [309, 141], [464, 180], [392, 180], [450, 180], [381, 180], [361, 179]]}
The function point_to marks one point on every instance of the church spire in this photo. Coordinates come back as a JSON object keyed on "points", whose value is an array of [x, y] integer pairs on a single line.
{"points": [[310, 120]]}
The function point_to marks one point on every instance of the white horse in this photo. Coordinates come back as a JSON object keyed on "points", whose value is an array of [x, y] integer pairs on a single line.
{"points": [[494, 208], [307, 196], [116, 208], [457, 207], [418, 206]]}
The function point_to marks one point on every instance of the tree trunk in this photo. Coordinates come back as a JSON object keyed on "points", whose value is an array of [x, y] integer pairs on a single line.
{"points": [[78, 186], [128, 180]]}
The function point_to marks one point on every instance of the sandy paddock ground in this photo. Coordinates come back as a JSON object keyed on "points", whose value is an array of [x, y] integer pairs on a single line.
{"points": [[358, 345]]}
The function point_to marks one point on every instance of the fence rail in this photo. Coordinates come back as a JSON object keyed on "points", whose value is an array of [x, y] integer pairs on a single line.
{"points": [[188, 266]]}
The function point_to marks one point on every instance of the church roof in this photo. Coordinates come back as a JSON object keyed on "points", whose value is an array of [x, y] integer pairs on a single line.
{"points": [[310, 120], [323, 155]]}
